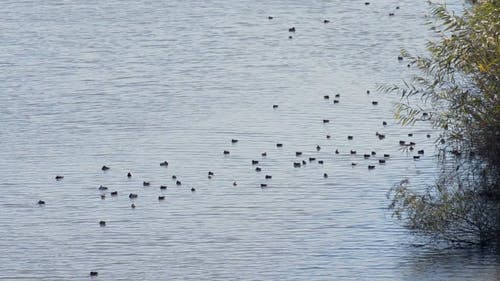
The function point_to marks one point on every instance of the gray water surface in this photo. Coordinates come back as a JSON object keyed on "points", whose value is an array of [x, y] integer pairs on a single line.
{"points": [[129, 84]]}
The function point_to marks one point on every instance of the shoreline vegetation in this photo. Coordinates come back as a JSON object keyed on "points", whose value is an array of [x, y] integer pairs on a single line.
{"points": [[457, 89]]}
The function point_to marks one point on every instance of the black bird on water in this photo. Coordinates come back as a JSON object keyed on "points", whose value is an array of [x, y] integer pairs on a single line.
{"points": [[58, 178], [291, 29], [105, 168]]}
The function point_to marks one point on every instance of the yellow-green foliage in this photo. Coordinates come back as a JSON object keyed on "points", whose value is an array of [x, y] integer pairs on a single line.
{"points": [[459, 87]]}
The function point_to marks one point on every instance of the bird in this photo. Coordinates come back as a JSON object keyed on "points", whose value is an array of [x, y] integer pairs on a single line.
{"points": [[129, 175], [174, 177], [296, 164], [336, 101], [326, 97], [103, 196], [164, 164], [258, 169], [114, 193], [58, 178], [279, 145], [163, 187], [320, 162], [410, 135], [102, 223], [328, 136], [161, 198], [102, 188], [318, 148], [391, 14], [270, 17], [371, 167], [337, 151], [326, 21], [350, 137], [291, 29], [94, 273], [210, 173], [178, 183], [325, 175], [298, 153], [416, 157], [263, 154], [234, 140], [132, 196], [384, 123], [420, 151], [353, 151], [132, 206], [41, 202], [269, 177], [255, 162], [400, 58], [386, 155], [235, 183], [326, 121], [374, 102], [262, 185], [312, 159], [105, 168], [226, 152], [381, 161], [367, 3], [337, 95], [275, 106], [145, 183], [374, 153], [193, 189], [366, 156]]}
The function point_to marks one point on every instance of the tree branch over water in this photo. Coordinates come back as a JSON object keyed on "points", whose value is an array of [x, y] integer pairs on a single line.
{"points": [[457, 89]]}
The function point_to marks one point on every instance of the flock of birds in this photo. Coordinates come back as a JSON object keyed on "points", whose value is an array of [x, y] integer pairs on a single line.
{"points": [[301, 162]]}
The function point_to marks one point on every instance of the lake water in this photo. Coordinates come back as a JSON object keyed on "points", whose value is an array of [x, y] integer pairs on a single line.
{"points": [[129, 84]]}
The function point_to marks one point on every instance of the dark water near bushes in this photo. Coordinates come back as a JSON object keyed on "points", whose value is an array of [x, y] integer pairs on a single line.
{"points": [[129, 84]]}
